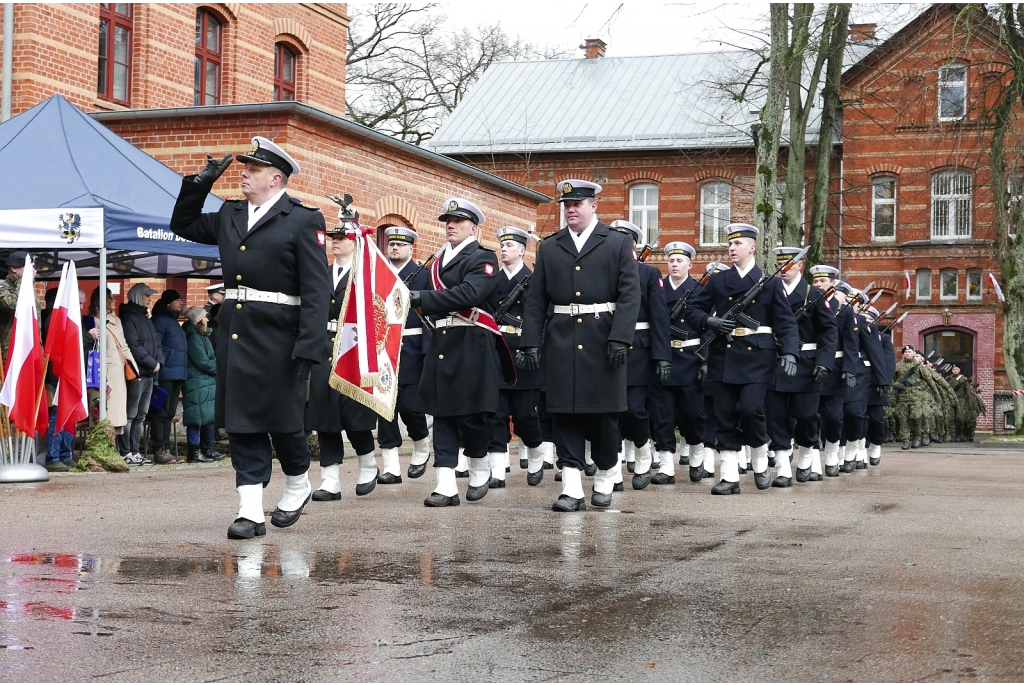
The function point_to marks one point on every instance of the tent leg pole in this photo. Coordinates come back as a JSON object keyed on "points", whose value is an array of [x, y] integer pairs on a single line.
{"points": [[103, 333]]}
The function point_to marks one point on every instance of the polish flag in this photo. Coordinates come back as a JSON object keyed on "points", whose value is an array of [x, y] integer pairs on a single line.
{"points": [[64, 350], [23, 380]]}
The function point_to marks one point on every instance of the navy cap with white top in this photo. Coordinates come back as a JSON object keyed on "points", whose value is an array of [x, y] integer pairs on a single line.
{"points": [[783, 254], [716, 267], [576, 189], [824, 271], [215, 287], [513, 233], [623, 226], [872, 312], [733, 231], [463, 209], [401, 234], [679, 247], [265, 151]]}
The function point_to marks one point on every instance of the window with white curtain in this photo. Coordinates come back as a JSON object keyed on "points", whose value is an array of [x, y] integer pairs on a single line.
{"points": [[951, 205], [715, 212], [643, 210]]}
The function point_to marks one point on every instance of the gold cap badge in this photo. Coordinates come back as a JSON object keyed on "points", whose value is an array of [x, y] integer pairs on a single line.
{"points": [[255, 147], [566, 188], [452, 206]]}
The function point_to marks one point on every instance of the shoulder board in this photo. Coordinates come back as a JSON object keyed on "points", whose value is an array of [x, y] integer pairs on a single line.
{"points": [[304, 205], [480, 246]]}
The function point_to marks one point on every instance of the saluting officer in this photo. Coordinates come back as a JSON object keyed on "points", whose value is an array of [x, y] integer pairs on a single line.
{"points": [[520, 400], [878, 399], [271, 324], [415, 339], [588, 273], [462, 371], [742, 361], [331, 412], [795, 398]]}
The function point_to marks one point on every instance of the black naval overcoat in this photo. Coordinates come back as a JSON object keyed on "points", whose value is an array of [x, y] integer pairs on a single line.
{"points": [[329, 410], [747, 359], [258, 389], [685, 362], [461, 372], [849, 345], [873, 354], [889, 359], [414, 347], [818, 326], [651, 344], [578, 378], [526, 380]]}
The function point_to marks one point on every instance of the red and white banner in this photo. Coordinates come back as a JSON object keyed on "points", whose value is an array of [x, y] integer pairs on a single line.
{"points": [[23, 378], [368, 347], [64, 350]]}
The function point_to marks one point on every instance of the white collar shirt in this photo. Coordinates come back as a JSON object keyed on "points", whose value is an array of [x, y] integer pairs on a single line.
{"points": [[512, 274], [790, 288], [450, 252], [743, 272], [339, 272], [581, 239], [256, 213]]}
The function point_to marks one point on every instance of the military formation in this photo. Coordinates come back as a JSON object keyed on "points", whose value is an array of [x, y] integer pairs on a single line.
{"points": [[594, 360]]}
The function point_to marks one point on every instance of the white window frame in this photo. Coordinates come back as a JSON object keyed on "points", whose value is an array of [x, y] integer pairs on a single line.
{"points": [[877, 202], [643, 212], [981, 285], [918, 280], [942, 285], [951, 204], [945, 82], [716, 211]]}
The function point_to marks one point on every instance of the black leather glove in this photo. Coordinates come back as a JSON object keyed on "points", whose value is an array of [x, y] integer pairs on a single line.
{"points": [[851, 379], [882, 390], [213, 169], [617, 354], [303, 367], [528, 358], [664, 371], [414, 299], [820, 373], [702, 377], [789, 364], [720, 325]]}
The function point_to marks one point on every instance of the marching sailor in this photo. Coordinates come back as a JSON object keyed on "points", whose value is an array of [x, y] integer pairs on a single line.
{"points": [[271, 324], [878, 399], [871, 383]]}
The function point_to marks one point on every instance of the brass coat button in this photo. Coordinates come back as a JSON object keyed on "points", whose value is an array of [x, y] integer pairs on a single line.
{"points": [[577, 293], [238, 277], [440, 356], [577, 268], [238, 306], [579, 347], [234, 336], [579, 320], [241, 248], [728, 346]]}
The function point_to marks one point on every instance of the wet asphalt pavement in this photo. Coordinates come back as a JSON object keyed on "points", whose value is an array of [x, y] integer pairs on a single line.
{"points": [[911, 570]]}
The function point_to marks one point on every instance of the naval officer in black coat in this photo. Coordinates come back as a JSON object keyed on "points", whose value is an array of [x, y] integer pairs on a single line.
{"points": [[415, 339], [587, 273], [271, 324], [462, 371]]}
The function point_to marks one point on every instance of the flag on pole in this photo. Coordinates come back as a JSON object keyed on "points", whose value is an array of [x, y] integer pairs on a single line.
{"points": [[995, 284], [23, 380], [906, 275], [64, 350], [368, 346]]}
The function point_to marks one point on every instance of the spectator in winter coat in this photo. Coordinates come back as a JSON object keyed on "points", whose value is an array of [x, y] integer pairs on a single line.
{"points": [[172, 373], [145, 347], [200, 388]]}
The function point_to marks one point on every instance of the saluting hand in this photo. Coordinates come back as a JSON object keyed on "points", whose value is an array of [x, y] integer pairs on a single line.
{"points": [[820, 373], [213, 169], [616, 354], [664, 371], [789, 364]]}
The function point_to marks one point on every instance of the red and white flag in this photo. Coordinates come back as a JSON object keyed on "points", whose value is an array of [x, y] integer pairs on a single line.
{"points": [[64, 350], [23, 378], [906, 276], [368, 347]]}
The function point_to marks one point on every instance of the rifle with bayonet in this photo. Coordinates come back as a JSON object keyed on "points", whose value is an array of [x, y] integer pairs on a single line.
{"points": [[887, 312], [680, 305], [511, 298], [852, 300], [644, 253], [824, 295], [894, 323], [425, 265]]}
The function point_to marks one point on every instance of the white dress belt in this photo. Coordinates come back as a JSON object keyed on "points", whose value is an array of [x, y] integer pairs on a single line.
{"points": [[245, 294], [804, 347], [643, 325], [740, 332], [575, 309], [452, 322], [332, 326], [839, 354], [680, 344], [412, 331]]}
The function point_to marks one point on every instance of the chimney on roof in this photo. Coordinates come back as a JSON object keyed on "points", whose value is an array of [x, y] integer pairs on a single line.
{"points": [[862, 33], [593, 48]]}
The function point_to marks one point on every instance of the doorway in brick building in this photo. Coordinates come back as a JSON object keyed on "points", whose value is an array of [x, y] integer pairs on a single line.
{"points": [[953, 346]]}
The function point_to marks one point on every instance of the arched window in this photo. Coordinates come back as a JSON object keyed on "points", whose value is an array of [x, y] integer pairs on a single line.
{"points": [[208, 58], [115, 51], [286, 67]]}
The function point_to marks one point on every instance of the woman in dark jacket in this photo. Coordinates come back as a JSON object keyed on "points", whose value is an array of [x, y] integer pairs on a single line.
{"points": [[200, 388], [145, 347], [172, 372]]}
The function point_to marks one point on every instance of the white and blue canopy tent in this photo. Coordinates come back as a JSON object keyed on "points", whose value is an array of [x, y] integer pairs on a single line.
{"points": [[74, 190]]}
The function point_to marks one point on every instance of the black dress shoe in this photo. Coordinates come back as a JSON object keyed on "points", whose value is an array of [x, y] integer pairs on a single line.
{"points": [[771, 462], [548, 465], [535, 478], [494, 484], [558, 477], [388, 479], [243, 529], [524, 464], [324, 496], [726, 488], [742, 470], [875, 461], [708, 474], [439, 500], [630, 466], [198, 458], [832, 471], [416, 470], [662, 479], [906, 445], [367, 488], [803, 475], [600, 501], [763, 481], [462, 474], [655, 465], [641, 480], [590, 469], [213, 455], [566, 503], [696, 473], [848, 466], [861, 465], [684, 460], [814, 478], [782, 482], [283, 519], [619, 487], [477, 493]]}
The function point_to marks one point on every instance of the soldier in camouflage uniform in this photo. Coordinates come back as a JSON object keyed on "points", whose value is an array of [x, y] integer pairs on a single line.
{"points": [[9, 299], [913, 388], [945, 425], [969, 405]]}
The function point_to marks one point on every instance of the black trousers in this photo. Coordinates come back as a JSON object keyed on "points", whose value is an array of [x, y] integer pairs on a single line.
{"points": [[855, 413], [388, 432], [830, 415], [521, 405], [160, 419], [573, 430], [739, 414], [782, 410], [547, 424], [635, 422], [710, 425], [469, 430], [876, 424], [332, 445], [251, 455], [675, 407]]}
